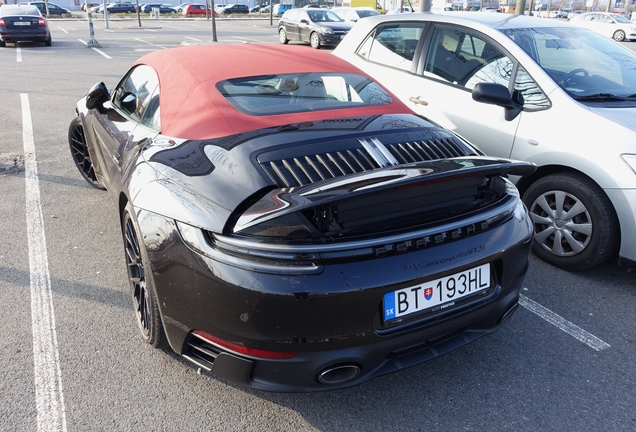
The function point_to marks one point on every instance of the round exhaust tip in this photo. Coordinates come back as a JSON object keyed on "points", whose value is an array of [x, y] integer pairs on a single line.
{"points": [[338, 374]]}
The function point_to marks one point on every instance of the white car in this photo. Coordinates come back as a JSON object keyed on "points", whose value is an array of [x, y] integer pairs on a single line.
{"points": [[532, 89], [616, 26], [354, 14]]}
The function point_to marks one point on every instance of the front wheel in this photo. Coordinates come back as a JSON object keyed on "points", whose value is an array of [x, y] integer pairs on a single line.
{"points": [[619, 36], [141, 285], [575, 225], [79, 152], [314, 40], [282, 36]]}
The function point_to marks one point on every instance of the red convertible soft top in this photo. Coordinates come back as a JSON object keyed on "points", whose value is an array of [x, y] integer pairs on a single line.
{"points": [[193, 108]]}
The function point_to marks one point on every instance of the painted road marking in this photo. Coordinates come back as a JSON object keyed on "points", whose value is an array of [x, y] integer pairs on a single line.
{"points": [[95, 49], [571, 329], [49, 397]]}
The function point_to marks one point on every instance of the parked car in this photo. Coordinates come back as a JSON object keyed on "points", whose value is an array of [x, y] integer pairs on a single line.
{"points": [[23, 23], [353, 15], [98, 9], [92, 5], [281, 8], [196, 9], [236, 8], [180, 7], [318, 27], [258, 8], [405, 10], [508, 83], [290, 225], [163, 9], [616, 26], [114, 8], [52, 7]]}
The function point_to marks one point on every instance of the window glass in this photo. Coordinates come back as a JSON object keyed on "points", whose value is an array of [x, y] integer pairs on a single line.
{"points": [[302, 92], [583, 63], [462, 58], [393, 45], [527, 93], [133, 92]]}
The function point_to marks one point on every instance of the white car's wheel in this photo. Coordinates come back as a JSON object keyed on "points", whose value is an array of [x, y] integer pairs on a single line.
{"points": [[575, 225]]}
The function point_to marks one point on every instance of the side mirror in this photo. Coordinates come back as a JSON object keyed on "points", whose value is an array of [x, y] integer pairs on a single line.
{"points": [[97, 96], [496, 94], [304, 21]]}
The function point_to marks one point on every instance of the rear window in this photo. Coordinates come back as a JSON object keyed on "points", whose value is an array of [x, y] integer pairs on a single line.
{"points": [[17, 10], [303, 92]]}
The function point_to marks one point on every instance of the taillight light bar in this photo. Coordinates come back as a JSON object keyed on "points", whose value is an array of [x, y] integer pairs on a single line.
{"points": [[240, 349]]}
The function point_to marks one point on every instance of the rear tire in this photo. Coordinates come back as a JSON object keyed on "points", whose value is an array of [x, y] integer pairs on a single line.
{"points": [[3, 44], [141, 284], [575, 224], [619, 36], [79, 152], [282, 36], [47, 42]]}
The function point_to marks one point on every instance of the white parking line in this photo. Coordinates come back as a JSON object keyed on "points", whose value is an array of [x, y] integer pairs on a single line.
{"points": [[95, 49], [571, 329], [150, 43], [62, 29], [18, 53], [49, 399]]}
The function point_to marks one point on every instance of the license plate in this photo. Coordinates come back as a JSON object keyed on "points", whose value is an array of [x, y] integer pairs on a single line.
{"points": [[21, 23], [441, 293]]}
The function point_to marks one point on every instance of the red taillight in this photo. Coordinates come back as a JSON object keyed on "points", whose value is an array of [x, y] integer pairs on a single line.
{"points": [[41, 22], [254, 352], [2, 24]]}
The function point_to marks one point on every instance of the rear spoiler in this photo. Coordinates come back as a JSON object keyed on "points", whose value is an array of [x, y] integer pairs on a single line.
{"points": [[340, 190]]}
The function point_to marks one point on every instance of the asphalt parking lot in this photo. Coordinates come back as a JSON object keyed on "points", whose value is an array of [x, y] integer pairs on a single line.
{"points": [[565, 360]]}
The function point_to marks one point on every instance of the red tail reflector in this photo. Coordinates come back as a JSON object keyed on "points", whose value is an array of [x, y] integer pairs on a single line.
{"points": [[41, 22], [254, 352], [2, 24]]}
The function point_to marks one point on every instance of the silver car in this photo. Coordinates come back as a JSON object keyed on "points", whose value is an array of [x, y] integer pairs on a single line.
{"points": [[526, 88], [616, 26]]}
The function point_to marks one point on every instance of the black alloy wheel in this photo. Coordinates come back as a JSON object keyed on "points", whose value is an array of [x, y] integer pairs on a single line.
{"points": [[575, 224], [141, 287], [79, 152]]}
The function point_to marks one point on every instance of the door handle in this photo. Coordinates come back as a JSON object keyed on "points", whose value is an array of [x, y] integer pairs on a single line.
{"points": [[418, 100]]}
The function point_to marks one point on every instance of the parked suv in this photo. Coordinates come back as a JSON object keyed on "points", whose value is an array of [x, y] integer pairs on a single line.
{"points": [[235, 9]]}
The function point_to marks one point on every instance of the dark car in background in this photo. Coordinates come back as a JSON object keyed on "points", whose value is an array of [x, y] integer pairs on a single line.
{"points": [[236, 8], [113, 8], [316, 26], [163, 9], [23, 23], [52, 7], [290, 225]]}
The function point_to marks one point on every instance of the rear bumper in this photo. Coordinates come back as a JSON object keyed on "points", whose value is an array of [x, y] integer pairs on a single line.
{"points": [[331, 318], [31, 36], [303, 373]]}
